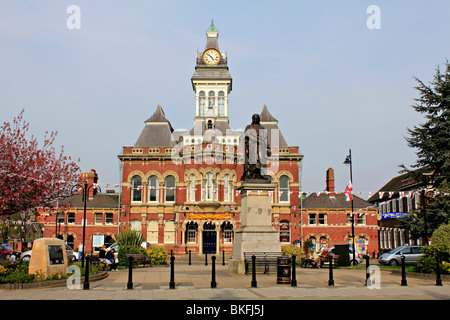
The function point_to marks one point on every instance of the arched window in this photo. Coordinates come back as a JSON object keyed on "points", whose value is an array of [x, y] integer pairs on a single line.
{"points": [[227, 229], [323, 242], [191, 232], [210, 124], [221, 103], [70, 241], [192, 188], [313, 241], [209, 186], [211, 100], [202, 103], [226, 188], [170, 189], [153, 189], [284, 189], [361, 245], [136, 188]]}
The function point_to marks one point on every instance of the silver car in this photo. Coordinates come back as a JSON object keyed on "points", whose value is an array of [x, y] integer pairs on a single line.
{"points": [[394, 257]]}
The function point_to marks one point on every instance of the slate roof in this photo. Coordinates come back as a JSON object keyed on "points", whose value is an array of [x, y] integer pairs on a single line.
{"points": [[269, 122], [157, 131], [396, 184], [211, 72], [338, 201], [98, 201]]}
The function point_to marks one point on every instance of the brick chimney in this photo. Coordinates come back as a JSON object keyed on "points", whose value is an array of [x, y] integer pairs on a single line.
{"points": [[91, 178], [330, 181]]}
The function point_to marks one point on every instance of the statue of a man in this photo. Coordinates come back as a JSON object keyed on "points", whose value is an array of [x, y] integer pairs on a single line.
{"points": [[257, 150]]}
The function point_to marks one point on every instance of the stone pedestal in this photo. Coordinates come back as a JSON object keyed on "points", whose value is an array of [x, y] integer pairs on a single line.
{"points": [[48, 256], [256, 233]]}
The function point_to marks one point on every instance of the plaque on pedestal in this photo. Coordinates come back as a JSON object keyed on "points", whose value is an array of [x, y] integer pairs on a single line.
{"points": [[256, 233], [48, 256]]}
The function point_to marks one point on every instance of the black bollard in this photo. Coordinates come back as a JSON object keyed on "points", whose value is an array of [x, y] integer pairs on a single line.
{"points": [[130, 273], [213, 278], [438, 272], [172, 273], [223, 257], [254, 284], [404, 282], [86, 274], [189, 257], [367, 269], [294, 280], [206, 259], [331, 280]]}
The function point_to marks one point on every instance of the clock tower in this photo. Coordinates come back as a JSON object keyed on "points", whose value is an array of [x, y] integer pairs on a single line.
{"points": [[211, 83]]}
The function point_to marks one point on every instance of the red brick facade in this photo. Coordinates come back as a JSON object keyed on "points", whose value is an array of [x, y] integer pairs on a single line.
{"points": [[102, 216], [180, 190]]}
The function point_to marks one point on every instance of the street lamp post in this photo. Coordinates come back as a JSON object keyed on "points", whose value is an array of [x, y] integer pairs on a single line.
{"points": [[348, 161], [86, 189]]}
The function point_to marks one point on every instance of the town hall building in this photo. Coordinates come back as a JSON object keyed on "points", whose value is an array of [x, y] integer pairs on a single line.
{"points": [[180, 189]]}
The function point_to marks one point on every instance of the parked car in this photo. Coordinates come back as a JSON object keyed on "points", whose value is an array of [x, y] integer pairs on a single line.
{"points": [[394, 257], [6, 252], [359, 257], [25, 256]]}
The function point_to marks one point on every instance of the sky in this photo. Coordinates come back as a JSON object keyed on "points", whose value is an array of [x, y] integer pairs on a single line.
{"points": [[333, 81]]}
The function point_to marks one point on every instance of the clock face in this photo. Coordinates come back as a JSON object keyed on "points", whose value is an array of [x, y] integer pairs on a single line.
{"points": [[211, 56]]}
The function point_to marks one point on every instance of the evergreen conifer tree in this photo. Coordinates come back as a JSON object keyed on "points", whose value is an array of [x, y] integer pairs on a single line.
{"points": [[431, 140]]}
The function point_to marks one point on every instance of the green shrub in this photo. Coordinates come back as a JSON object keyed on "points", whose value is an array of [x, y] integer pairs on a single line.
{"points": [[19, 274], [435, 249], [291, 249], [158, 255], [427, 262]]}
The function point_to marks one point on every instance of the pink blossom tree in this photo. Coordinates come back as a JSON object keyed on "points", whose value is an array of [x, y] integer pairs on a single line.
{"points": [[32, 176]]}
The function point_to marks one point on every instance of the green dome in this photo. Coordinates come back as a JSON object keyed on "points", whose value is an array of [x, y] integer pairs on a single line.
{"points": [[212, 28]]}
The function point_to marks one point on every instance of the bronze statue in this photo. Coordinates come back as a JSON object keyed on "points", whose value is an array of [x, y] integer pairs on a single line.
{"points": [[257, 150]]}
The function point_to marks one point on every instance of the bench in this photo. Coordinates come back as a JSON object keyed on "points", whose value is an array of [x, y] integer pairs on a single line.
{"points": [[95, 261], [306, 262], [264, 259], [335, 261], [138, 258]]}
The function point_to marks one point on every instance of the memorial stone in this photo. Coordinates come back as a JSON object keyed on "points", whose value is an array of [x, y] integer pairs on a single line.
{"points": [[48, 257]]}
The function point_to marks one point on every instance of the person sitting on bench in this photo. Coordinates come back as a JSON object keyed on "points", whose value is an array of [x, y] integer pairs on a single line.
{"points": [[323, 256], [111, 259], [102, 257]]}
